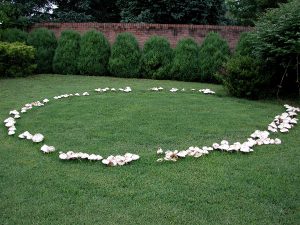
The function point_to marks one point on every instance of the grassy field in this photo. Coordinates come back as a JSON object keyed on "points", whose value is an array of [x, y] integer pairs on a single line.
{"points": [[258, 188]]}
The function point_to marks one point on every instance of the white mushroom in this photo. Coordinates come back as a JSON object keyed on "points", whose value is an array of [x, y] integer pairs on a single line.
{"points": [[10, 123], [63, 156], [173, 90], [37, 138], [182, 154], [159, 151], [11, 132], [47, 149], [277, 141]]}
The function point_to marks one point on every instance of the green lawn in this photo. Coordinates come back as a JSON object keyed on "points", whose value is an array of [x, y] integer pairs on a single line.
{"points": [[221, 188]]}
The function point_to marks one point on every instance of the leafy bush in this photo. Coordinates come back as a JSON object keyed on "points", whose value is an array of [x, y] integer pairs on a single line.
{"points": [[13, 35], [214, 52], [277, 42], [94, 54], [66, 53], [125, 56], [243, 77], [157, 58], [186, 61], [245, 44], [16, 59], [44, 41]]}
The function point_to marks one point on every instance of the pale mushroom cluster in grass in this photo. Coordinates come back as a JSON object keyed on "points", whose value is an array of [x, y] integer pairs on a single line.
{"points": [[34, 137], [156, 89], [70, 95], [47, 149], [70, 155], [120, 160], [283, 122], [204, 91], [173, 90], [102, 90], [10, 122]]}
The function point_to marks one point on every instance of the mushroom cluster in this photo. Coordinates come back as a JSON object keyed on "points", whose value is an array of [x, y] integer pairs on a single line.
{"points": [[126, 89], [173, 90], [10, 122], [34, 137], [206, 91], [284, 121], [175, 155], [120, 160], [102, 90], [70, 155], [70, 95], [47, 149], [156, 89]]}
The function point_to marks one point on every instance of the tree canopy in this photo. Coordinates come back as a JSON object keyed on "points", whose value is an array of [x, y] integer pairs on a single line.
{"points": [[173, 11], [21, 13], [246, 12], [14, 13]]}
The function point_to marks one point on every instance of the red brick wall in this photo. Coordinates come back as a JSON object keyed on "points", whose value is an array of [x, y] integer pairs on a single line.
{"points": [[142, 32]]}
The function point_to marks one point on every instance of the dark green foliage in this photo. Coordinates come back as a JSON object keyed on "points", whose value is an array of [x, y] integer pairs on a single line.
{"points": [[105, 11], [73, 11], [44, 41], [246, 12], [66, 53], [157, 58], [14, 35], [277, 35], [86, 10], [94, 54], [244, 78], [170, 11], [125, 56], [214, 52], [23, 13], [268, 55], [245, 44], [16, 59], [186, 61], [278, 43]]}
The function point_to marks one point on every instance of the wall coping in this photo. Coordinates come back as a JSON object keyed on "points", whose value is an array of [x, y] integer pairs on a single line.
{"points": [[144, 25]]}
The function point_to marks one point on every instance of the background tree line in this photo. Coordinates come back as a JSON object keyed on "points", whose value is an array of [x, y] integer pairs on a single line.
{"points": [[21, 13]]}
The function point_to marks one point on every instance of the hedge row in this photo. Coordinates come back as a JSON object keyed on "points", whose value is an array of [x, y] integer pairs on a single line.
{"points": [[91, 54]]}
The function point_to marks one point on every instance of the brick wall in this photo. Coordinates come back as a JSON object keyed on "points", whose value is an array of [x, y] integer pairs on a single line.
{"points": [[142, 32]]}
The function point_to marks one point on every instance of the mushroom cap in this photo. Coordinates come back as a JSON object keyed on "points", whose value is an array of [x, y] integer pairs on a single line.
{"points": [[11, 132], [224, 142], [159, 151], [182, 154], [37, 138], [10, 123], [63, 156], [277, 141], [12, 128]]}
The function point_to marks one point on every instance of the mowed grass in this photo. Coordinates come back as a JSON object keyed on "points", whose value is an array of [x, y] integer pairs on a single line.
{"points": [[221, 188]]}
